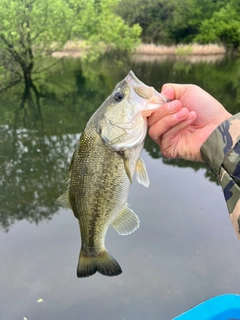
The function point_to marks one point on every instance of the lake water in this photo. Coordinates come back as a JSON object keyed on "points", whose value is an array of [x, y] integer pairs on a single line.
{"points": [[185, 250]]}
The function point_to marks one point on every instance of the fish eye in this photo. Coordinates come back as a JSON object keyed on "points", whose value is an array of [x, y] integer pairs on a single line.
{"points": [[118, 96]]}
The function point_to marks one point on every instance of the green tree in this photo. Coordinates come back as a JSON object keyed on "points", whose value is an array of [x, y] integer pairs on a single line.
{"points": [[168, 21], [32, 29], [153, 16], [224, 27], [188, 16]]}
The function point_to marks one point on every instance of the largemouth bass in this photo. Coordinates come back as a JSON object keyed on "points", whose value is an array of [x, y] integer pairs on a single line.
{"points": [[102, 169]]}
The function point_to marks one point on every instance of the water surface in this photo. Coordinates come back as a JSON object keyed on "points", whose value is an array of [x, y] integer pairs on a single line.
{"points": [[185, 250]]}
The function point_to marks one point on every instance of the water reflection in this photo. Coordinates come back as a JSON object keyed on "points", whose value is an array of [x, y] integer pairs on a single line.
{"points": [[32, 164], [40, 125], [188, 58], [185, 243]]}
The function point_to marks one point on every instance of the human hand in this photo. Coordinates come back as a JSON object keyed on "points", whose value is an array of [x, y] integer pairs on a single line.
{"points": [[181, 126]]}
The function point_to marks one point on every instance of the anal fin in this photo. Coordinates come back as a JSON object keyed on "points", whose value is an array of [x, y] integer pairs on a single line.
{"points": [[126, 222]]}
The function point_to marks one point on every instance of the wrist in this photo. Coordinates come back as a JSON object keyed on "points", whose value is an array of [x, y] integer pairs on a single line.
{"points": [[220, 142]]}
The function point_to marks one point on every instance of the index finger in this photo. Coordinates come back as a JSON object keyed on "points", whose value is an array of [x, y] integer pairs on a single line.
{"points": [[163, 111]]}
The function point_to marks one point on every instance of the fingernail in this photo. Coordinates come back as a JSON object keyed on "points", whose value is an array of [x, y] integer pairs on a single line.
{"points": [[180, 114], [192, 115], [168, 92]]}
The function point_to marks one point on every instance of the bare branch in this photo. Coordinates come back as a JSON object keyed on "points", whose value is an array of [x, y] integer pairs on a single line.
{"points": [[50, 66], [10, 85], [13, 52]]}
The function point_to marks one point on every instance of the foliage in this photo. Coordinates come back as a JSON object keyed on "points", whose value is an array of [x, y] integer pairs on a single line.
{"points": [[224, 26], [183, 51], [168, 21], [154, 17], [31, 29], [187, 18], [185, 21]]}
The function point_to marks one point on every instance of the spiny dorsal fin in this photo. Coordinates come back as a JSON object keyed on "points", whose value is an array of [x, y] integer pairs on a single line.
{"points": [[126, 222], [64, 200], [141, 173], [71, 162]]}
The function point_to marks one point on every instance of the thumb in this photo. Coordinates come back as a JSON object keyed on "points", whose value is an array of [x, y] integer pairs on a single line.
{"points": [[173, 90]]}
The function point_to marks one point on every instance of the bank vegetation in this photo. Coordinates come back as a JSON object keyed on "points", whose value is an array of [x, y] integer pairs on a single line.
{"points": [[34, 29]]}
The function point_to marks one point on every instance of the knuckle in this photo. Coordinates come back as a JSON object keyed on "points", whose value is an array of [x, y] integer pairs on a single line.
{"points": [[165, 151]]}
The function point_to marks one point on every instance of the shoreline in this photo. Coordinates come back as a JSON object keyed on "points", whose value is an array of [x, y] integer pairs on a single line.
{"points": [[150, 52], [180, 50]]}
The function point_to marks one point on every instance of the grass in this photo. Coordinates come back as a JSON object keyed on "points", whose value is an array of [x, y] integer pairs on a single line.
{"points": [[152, 51], [72, 49], [180, 50]]}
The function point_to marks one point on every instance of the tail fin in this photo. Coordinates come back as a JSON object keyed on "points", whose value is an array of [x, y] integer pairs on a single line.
{"points": [[103, 263]]}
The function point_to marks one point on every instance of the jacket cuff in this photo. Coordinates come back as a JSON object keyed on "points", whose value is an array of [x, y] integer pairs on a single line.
{"points": [[220, 143]]}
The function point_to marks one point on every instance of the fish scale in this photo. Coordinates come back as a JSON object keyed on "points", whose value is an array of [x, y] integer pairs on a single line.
{"points": [[106, 189], [102, 169]]}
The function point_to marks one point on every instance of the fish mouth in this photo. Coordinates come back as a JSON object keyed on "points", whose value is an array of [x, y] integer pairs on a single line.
{"points": [[133, 80], [155, 99], [130, 128]]}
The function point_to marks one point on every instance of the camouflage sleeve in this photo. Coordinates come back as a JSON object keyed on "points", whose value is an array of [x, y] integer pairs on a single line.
{"points": [[221, 152]]}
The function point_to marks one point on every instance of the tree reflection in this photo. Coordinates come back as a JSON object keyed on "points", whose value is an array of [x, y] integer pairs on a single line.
{"points": [[154, 151], [40, 124], [33, 166]]}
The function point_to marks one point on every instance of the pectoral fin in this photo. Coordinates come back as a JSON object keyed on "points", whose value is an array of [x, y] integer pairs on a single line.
{"points": [[141, 173], [126, 222], [126, 165]]}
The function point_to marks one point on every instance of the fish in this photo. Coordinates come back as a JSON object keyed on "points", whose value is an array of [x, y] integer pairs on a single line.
{"points": [[102, 168]]}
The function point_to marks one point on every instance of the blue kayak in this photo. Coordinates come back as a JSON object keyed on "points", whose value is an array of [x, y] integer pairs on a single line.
{"points": [[224, 307]]}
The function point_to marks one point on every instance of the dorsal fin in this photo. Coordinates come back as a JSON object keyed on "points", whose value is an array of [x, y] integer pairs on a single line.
{"points": [[64, 200]]}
